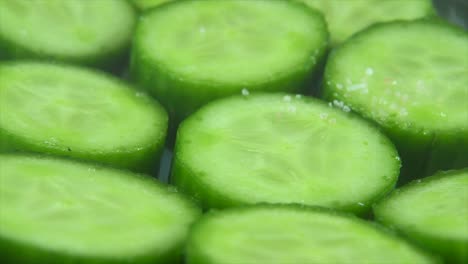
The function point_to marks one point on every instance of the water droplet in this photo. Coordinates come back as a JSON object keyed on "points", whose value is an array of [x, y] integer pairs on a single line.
{"points": [[172, 189], [323, 115], [369, 71], [361, 204], [356, 87], [287, 98], [245, 92], [298, 96]]}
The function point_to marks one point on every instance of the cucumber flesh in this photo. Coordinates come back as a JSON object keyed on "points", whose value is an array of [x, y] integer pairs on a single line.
{"points": [[420, 100], [293, 234], [282, 148], [188, 53], [59, 211], [364, 13], [432, 212], [86, 32], [75, 112], [143, 5]]}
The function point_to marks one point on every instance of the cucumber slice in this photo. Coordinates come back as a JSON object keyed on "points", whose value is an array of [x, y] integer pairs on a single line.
{"points": [[412, 82], [143, 5], [433, 212], [363, 13], [79, 113], [59, 211], [86, 32], [188, 53], [281, 148], [293, 234]]}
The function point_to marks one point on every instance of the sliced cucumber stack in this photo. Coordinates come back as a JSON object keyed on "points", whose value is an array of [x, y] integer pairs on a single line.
{"points": [[85, 32], [188, 53], [293, 234], [59, 211], [143, 5], [410, 78], [79, 113], [346, 17], [282, 148], [433, 212]]}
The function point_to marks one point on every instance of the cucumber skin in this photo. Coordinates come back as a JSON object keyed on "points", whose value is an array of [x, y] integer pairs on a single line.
{"points": [[453, 251], [144, 160], [16, 252], [422, 154], [194, 256], [181, 97], [210, 198], [141, 160]]}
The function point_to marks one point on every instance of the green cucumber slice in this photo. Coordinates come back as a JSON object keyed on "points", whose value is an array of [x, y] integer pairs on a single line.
{"points": [[412, 82], [281, 148], [143, 5], [433, 212], [86, 32], [293, 234], [346, 17], [75, 112], [60, 211], [188, 53]]}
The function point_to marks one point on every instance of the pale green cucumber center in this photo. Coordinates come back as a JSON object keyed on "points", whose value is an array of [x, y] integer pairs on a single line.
{"points": [[78, 209], [437, 207], [296, 236], [66, 106], [412, 76], [66, 27], [346, 17], [276, 148], [232, 41]]}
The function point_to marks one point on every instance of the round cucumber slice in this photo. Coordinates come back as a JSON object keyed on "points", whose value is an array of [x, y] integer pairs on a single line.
{"points": [[364, 13], [188, 53], [79, 113], [433, 212], [143, 5], [281, 148], [60, 211], [293, 234], [85, 32], [412, 82]]}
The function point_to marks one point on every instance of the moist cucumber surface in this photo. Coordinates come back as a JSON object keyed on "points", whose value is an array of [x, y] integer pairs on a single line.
{"points": [[79, 113], [143, 5], [282, 148], [363, 13], [191, 52], [86, 32], [60, 211], [412, 82], [293, 234], [433, 212]]}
